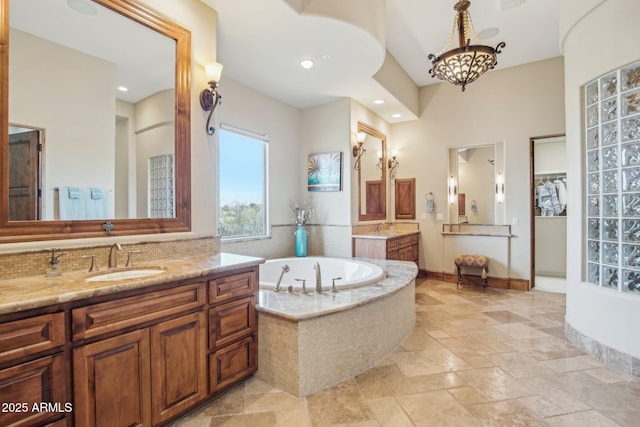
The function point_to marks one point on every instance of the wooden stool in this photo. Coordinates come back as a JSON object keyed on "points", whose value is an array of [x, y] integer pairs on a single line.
{"points": [[478, 261]]}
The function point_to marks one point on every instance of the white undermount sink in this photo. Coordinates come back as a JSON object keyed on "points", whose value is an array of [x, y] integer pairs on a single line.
{"points": [[134, 273]]}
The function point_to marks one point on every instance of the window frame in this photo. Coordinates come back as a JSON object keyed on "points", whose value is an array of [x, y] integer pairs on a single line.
{"points": [[264, 138]]}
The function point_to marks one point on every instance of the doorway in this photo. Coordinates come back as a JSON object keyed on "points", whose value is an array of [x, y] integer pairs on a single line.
{"points": [[548, 213], [25, 194]]}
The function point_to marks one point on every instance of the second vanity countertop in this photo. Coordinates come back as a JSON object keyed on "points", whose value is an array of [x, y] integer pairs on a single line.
{"points": [[385, 235], [25, 293]]}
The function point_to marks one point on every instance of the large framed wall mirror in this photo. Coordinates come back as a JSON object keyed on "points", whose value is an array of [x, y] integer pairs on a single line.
{"points": [[478, 177], [96, 111], [372, 184]]}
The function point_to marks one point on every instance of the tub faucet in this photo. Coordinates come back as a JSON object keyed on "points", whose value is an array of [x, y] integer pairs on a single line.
{"points": [[285, 269], [113, 255], [316, 267]]}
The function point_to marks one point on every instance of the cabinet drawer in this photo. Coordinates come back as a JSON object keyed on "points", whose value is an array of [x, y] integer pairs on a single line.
{"points": [[30, 336], [233, 363], [228, 287], [393, 254], [403, 242], [97, 319], [41, 380], [392, 244], [231, 321]]}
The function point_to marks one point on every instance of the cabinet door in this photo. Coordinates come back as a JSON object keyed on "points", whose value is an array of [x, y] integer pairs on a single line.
{"points": [[30, 336], [232, 286], [233, 363], [22, 386], [111, 382], [231, 321], [178, 367]]}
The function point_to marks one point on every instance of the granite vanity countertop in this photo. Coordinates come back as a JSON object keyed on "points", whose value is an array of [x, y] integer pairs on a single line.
{"points": [[385, 234], [38, 291], [296, 306]]}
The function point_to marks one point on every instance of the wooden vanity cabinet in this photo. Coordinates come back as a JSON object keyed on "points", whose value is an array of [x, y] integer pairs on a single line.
{"points": [[146, 376], [193, 341], [137, 358], [401, 248], [233, 329], [33, 370]]}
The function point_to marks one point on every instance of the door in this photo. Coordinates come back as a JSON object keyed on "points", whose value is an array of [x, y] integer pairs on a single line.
{"points": [[178, 367], [24, 176], [31, 383], [111, 382]]}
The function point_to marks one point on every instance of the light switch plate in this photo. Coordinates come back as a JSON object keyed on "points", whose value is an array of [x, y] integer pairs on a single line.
{"points": [[439, 217]]}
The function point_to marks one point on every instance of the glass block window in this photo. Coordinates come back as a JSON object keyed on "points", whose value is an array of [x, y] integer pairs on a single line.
{"points": [[161, 187], [612, 169]]}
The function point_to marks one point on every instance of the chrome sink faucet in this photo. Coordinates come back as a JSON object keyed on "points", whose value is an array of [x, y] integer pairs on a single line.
{"points": [[113, 255], [316, 267]]}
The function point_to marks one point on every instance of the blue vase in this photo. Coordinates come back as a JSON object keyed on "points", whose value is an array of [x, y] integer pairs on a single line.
{"points": [[301, 241]]}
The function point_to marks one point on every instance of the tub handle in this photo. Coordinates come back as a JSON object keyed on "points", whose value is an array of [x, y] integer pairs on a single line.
{"points": [[334, 290]]}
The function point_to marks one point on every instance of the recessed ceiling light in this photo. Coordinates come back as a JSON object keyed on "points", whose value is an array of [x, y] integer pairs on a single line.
{"points": [[488, 33], [510, 4], [378, 101], [396, 115], [122, 88], [83, 7], [307, 63]]}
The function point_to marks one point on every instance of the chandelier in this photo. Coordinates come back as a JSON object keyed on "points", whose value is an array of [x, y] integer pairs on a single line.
{"points": [[464, 64]]}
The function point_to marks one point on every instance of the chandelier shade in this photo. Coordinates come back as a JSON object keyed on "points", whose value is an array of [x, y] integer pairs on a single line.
{"points": [[466, 63]]}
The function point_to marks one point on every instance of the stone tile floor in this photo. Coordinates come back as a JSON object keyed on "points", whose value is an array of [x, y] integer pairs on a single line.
{"points": [[497, 358]]}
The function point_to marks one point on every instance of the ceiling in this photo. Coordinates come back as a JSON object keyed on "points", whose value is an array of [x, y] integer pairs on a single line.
{"points": [[260, 44], [147, 64]]}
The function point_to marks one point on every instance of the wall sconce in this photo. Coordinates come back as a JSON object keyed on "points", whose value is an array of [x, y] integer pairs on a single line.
{"points": [[453, 190], [379, 165], [210, 98], [358, 149], [499, 188], [393, 163]]}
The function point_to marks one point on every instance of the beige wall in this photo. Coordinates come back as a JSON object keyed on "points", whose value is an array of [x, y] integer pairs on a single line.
{"points": [[507, 106], [611, 31], [75, 137], [248, 109]]}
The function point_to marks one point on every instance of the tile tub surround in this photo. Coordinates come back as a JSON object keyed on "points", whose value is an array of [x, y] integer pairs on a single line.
{"points": [[20, 294], [311, 342]]}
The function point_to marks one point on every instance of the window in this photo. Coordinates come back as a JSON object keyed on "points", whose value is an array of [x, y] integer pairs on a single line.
{"points": [[612, 168], [243, 183]]}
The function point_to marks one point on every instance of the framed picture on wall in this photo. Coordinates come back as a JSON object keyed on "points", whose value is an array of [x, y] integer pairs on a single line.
{"points": [[324, 171]]}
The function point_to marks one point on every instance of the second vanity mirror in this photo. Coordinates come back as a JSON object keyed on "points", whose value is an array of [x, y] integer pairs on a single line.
{"points": [[476, 173], [372, 184], [125, 154]]}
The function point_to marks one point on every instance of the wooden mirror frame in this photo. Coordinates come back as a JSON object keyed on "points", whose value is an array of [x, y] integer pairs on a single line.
{"points": [[24, 231], [383, 203]]}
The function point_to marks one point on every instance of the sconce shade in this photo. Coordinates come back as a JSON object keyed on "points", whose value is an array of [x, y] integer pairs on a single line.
{"points": [[466, 63], [360, 136], [213, 72], [453, 190]]}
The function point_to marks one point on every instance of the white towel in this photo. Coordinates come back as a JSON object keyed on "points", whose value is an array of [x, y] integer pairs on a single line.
{"points": [[97, 203], [561, 190], [71, 203]]}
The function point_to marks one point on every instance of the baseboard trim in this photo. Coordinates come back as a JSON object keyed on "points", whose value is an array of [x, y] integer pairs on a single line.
{"points": [[492, 282]]}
